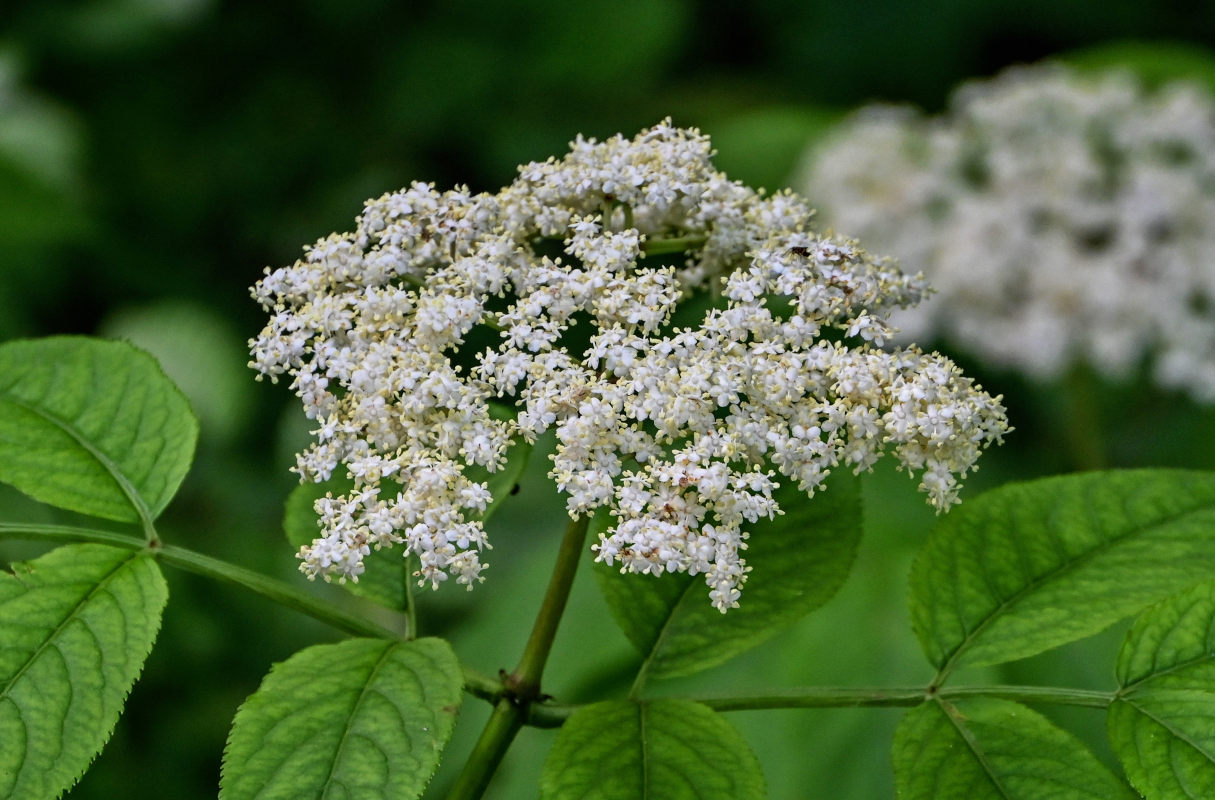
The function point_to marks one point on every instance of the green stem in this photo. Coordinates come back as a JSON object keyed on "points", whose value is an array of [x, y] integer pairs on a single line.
{"points": [[482, 686], [487, 753], [552, 715], [522, 686], [200, 564], [411, 606], [525, 680], [676, 244], [277, 591]]}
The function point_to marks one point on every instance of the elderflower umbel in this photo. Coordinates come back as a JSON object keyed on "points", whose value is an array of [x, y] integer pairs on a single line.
{"points": [[1060, 218], [551, 297]]}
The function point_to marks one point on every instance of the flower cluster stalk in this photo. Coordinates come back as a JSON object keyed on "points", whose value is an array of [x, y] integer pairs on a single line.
{"points": [[523, 685]]}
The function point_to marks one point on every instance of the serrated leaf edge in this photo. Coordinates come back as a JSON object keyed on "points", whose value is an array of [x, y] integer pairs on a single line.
{"points": [[109, 732]]}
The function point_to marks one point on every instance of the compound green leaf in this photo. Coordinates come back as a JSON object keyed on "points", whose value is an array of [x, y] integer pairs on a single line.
{"points": [[988, 749], [650, 750], [92, 426], [1031, 566], [75, 628], [798, 562], [364, 718], [1163, 723]]}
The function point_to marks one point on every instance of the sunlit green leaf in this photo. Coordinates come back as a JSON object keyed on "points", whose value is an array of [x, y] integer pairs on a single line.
{"points": [[1163, 723], [988, 749], [75, 628], [1031, 566], [364, 718], [798, 561], [92, 426], [658, 750]]}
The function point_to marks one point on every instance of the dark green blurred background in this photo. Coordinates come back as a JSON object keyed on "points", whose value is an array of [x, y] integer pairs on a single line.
{"points": [[155, 155]]}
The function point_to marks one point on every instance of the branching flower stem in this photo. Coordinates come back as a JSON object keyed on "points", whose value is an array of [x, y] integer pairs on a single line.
{"points": [[523, 685], [475, 683]]}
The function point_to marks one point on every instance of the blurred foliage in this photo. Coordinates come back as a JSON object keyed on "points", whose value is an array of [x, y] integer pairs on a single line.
{"points": [[156, 154]]}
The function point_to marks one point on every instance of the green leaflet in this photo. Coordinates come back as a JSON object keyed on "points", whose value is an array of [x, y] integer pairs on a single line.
{"points": [[799, 561], [92, 426], [1163, 723], [75, 628], [988, 749], [1031, 566], [656, 750], [387, 576], [365, 718]]}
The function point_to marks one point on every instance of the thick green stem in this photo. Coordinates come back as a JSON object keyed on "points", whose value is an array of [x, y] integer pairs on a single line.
{"points": [[522, 686], [499, 732], [200, 564], [526, 677]]}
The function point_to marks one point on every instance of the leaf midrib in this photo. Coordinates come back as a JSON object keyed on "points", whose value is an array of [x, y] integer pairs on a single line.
{"points": [[142, 512], [68, 618], [955, 718], [329, 782]]}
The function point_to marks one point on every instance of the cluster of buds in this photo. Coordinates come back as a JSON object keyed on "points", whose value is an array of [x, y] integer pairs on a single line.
{"points": [[556, 298]]}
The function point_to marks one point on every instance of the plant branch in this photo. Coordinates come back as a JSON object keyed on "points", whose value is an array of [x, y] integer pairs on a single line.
{"points": [[552, 715], [200, 564], [487, 753], [522, 687], [525, 680]]}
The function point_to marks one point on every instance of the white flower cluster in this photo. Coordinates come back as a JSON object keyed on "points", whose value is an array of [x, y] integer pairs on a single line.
{"points": [[1061, 218], [555, 298]]}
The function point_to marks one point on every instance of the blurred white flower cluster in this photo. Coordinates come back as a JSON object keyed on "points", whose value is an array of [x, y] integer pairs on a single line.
{"points": [[1060, 217], [555, 297]]}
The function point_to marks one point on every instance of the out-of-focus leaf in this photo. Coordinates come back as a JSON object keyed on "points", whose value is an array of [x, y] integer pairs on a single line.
{"points": [[1155, 63], [200, 351], [763, 147]]}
